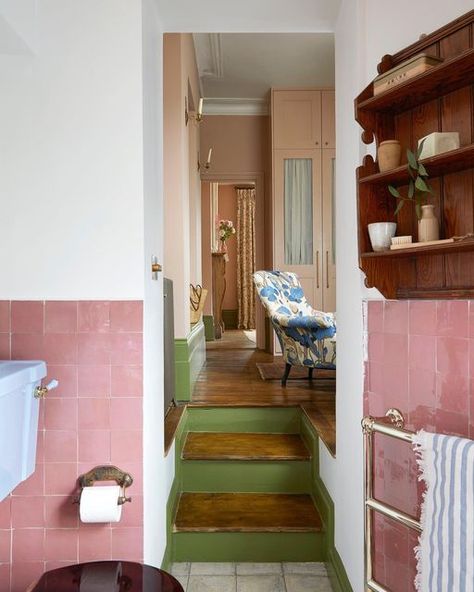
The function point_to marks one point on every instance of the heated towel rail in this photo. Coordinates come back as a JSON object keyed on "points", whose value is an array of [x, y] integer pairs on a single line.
{"points": [[391, 425]]}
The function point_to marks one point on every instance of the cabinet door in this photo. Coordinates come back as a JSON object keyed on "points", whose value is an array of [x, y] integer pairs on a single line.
{"points": [[298, 212], [296, 119], [328, 230], [328, 119]]}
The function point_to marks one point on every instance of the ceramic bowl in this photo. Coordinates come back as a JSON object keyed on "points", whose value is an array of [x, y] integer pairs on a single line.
{"points": [[381, 234]]}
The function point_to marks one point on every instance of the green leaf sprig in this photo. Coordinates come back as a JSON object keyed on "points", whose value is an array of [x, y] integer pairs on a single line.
{"points": [[418, 188]]}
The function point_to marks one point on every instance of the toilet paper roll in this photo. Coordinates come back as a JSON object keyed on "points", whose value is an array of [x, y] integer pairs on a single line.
{"points": [[101, 577], [99, 504]]}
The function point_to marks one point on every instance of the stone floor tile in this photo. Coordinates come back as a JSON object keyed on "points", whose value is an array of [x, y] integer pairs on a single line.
{"points": [[307, 583], [180, 569], [249, 569], [309, 567], [268, 583], [212, 569], [206, 583]]}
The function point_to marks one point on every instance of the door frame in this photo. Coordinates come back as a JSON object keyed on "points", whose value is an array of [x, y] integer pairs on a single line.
{"points": [[258, 179]]}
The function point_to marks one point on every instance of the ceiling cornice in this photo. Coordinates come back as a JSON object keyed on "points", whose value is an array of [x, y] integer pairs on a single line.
{"points": [[209, 56], [235, 106]]}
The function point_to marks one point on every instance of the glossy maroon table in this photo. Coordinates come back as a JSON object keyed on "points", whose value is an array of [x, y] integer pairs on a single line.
{"points": [[131, 577]]}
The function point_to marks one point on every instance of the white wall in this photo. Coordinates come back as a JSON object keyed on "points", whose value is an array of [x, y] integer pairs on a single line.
{"points": [[71, 195], [158, 470], [365, 31]]}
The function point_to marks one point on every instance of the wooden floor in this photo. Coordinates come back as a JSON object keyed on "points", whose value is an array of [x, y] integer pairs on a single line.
{"points": [[246, 512], [244, 446], [230, 378]]}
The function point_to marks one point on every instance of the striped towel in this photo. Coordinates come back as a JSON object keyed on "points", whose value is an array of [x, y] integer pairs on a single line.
{"points": [[445, 553]]}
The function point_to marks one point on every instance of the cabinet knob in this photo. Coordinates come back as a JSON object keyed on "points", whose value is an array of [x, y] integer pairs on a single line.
{"points": [[326, 143], [317, 143]]}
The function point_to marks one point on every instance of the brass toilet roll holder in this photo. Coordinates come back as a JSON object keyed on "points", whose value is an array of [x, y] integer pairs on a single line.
{"points": [[106, 473]]}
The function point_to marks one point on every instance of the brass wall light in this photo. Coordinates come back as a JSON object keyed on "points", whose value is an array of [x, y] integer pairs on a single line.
{"points": [[197, 116], [207, 164]]}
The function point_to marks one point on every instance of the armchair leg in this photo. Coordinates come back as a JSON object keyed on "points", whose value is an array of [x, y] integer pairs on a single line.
{"points": [[310, 373], [286, 374]]}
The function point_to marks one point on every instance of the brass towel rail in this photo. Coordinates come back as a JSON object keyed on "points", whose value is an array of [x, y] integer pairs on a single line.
{"points": [[393, 425]]}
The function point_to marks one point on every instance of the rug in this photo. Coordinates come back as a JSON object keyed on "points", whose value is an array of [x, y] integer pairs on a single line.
{"points": [[274, 371]]}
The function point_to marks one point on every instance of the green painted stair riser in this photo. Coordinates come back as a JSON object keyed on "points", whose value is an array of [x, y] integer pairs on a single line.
{"points": [[248, 546], [284, 420], [245, 476]]}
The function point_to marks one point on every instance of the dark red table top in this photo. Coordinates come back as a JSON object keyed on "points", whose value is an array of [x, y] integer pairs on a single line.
{"points": [[109, 576]]}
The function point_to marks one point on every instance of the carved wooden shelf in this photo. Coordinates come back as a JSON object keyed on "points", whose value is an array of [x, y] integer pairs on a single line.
{"points": [[449, 162], [441, 99], [450, 75], [463, 246]]}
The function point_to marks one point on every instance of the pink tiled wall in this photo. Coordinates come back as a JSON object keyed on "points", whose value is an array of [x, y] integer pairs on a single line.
{"points": [[94, 349], [420, 360]]}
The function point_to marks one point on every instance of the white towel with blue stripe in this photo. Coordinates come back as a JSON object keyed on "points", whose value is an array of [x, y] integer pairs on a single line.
{"points": [[445, 554]]}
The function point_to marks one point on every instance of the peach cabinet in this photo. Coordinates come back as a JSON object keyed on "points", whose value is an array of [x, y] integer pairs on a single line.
{"points": [[303, 164]]}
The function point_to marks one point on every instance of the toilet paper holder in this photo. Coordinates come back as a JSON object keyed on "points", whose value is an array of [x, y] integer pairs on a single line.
{"points": [[106, 473]]}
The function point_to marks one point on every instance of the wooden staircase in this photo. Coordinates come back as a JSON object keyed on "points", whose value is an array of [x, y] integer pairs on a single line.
{"points": [[246, 497]]}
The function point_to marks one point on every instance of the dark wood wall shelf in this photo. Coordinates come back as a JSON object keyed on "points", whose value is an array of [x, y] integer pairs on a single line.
{"points": [[441, 99]]}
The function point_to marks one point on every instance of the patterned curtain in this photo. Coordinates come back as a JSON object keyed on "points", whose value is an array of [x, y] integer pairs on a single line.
{"points": [[246, 257]]}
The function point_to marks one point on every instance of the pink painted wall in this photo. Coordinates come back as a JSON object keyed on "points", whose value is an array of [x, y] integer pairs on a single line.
{"points": [[420, 360], [228, 211], [94, 349]]}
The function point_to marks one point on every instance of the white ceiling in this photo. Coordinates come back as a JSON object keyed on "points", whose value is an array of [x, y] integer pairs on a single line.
{"points": [[247, 65], [182, 16]]}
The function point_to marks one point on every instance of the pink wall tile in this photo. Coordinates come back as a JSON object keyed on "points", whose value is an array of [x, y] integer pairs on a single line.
{"points": [[94, 381], [126, 316], [94, 317], [94, 446], [126, 414], [126, 381], [4, 346], [28, 544], [94, 414], [60, 446], [60, 544], [422, 317], [95, 543], [419, 359], [127, 542], [67, 377], [60, 317], [27, 512], [4, 316], [27, 317], [126, 348], [5, 546], [93, 348], [60, 512]]}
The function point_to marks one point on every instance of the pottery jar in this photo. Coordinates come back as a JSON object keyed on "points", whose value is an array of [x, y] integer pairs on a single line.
{"points": [[388, 155]]}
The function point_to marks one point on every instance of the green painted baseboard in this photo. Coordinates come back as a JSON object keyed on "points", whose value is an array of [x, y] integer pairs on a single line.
{"points": [[208, 321], [190, 355]]}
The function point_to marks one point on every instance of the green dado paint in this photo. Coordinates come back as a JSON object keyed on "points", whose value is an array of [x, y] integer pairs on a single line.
{"points": [[257, 476], [190, 355]]}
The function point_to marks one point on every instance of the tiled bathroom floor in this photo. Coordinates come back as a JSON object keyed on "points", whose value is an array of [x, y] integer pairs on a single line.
{"points": [[252, 577]]}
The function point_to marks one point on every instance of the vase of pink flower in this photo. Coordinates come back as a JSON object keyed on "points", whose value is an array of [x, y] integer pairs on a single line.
{"points": [[226, 230]]}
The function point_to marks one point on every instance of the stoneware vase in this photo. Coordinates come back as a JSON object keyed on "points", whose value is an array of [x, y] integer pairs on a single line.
{"points": [[428, 227], [388, 155], [381, 234]]}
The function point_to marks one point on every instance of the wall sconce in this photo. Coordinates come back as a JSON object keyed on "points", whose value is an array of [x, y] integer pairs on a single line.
{"points": [[207, 164], [187, 114]]}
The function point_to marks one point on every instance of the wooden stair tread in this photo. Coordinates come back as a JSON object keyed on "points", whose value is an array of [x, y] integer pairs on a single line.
{"points": [[246, 512], [244, 446]]}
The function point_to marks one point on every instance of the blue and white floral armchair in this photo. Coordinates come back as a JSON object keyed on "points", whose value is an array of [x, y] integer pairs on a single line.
{"points": [[307, 336]]}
